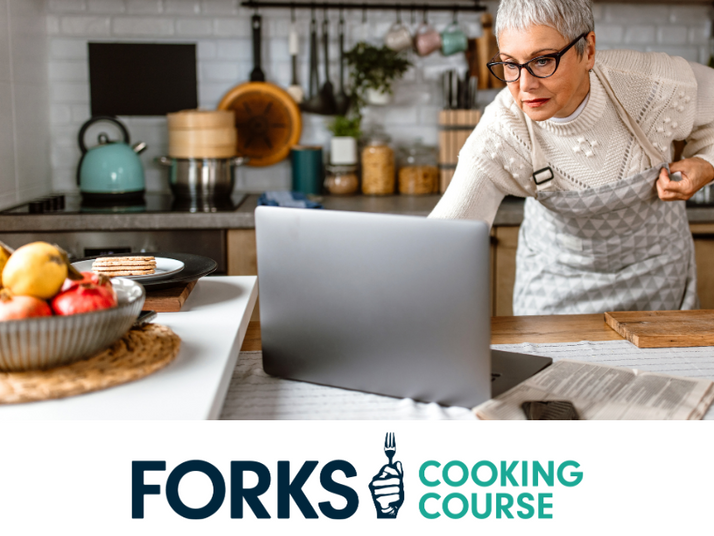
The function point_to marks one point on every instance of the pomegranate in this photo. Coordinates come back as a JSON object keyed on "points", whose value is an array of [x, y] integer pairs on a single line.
{"points": [[84, 296], [87, 277], [21, 307]]}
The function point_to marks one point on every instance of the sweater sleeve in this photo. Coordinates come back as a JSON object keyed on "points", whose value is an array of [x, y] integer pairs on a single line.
{"points": [[469, 196], [700, 142], [494, 162]]}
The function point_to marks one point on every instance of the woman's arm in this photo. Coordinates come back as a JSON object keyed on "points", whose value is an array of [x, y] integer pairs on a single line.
{"points": [[470, 196], [696, 167]]}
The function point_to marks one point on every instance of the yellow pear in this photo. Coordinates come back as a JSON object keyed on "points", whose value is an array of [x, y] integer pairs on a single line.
{"points": [[35, 269]]}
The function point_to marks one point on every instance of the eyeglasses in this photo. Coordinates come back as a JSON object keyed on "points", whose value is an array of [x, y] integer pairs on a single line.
{"points": [[540, 67]]}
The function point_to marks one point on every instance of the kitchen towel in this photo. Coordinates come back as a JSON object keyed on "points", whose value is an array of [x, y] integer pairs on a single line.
{"points": [[253, 394], [287, 199]]}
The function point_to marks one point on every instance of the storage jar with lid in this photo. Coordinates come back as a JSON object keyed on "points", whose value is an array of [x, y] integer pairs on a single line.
{"points": [[418, 170], [341, 180], [378, 164]]}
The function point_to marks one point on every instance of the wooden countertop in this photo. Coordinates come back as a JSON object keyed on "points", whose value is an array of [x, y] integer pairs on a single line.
{"points": [[515, 329]]}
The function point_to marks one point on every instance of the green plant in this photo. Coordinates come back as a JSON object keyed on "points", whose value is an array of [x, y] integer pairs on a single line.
{"points": [[374, 68], [346, 126]]}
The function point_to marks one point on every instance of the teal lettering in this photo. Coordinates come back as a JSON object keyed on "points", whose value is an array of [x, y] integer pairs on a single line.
{"points": [[507, 474], [422, 505], [474, 506], [548, 477], [422, 473], [464, 473], [542, 505], [529, 510], [524, 473], [577, 474], [504, 507], [464, 506], [484, 483]]}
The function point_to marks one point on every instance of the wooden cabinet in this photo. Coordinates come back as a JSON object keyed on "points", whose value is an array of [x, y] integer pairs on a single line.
{"points": [[704, 248], [242, 257]]}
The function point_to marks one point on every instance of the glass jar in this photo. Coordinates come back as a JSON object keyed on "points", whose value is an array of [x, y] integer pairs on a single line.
{"points": [[418, 169], [341, 180], [377, 165]]}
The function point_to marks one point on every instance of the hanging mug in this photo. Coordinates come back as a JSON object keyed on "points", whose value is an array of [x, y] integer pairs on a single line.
{"points": [[453, 40], [426, 40], [398, 37]]}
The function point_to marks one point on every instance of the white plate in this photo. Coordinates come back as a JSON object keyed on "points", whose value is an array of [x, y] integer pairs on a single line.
{"points": [[165, 267]]}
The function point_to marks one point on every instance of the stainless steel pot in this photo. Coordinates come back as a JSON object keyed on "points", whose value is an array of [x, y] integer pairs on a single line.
{"points": [[201, 178]]}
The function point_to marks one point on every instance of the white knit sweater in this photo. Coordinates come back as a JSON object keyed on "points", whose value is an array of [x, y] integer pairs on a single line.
{"points": [[668, 97]]}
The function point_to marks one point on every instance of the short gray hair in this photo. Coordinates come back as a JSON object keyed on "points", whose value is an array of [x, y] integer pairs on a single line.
{"points": [[570, 18]]}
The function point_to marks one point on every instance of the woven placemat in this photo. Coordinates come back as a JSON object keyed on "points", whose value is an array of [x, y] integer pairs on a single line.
{"points": [[137, 354]]}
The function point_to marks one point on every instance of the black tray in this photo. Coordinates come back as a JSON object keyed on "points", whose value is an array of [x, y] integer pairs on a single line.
{"points": [[194, 267]]}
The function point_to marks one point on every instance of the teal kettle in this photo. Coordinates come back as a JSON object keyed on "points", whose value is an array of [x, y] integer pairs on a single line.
{"points": [[110, 171]]}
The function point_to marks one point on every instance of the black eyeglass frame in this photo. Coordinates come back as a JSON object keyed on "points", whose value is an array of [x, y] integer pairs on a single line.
{"points": [[554, 55]]}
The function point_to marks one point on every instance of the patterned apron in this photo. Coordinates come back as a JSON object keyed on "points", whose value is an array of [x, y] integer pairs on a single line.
{"points": [[617, 247]]}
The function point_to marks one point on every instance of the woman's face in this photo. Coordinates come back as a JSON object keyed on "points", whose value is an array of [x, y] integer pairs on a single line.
{"points": [[560, 94]]}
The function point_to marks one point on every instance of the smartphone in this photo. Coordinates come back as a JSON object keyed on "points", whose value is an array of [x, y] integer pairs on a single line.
{"points": [[550, 410]]}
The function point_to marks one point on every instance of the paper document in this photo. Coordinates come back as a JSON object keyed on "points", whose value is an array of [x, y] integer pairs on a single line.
{"points": [[605, 392]]}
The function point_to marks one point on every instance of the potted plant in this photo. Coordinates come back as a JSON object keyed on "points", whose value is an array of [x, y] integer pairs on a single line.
{"points": [[373, 70], [345, 133]]}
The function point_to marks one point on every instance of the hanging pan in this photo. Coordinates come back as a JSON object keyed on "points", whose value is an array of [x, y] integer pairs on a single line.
{"points": [[268, 121]]}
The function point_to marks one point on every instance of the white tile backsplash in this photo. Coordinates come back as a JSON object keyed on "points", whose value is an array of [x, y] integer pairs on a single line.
{"points": [[221, 29], [24, 107]]}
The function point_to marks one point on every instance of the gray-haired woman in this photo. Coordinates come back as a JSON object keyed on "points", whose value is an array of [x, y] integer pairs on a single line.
{"points": [[588, 142]]}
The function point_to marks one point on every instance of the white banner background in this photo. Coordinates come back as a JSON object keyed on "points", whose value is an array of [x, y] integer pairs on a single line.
{"points": [[69, 477]]}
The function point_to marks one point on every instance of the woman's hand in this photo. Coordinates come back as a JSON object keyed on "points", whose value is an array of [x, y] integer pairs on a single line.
{"points": [[696, 173]]}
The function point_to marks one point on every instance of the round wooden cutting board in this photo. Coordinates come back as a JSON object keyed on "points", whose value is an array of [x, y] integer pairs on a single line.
{"points": [[267, 119]]}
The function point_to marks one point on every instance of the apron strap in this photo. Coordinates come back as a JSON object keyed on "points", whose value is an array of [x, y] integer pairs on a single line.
{"points": [[656, 157], [543, 174]]}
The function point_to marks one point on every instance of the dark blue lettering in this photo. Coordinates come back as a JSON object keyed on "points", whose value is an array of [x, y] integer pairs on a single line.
{"points": [[219, 489], [238, 492], [139, 489], [287, 489], [338, 489]]}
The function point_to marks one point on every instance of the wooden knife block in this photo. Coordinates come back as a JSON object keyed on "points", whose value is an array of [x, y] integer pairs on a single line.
{"points": [[454, 127]]}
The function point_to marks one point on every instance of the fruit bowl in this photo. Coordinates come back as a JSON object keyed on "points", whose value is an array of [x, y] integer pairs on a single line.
{"points": [[51, 341]]}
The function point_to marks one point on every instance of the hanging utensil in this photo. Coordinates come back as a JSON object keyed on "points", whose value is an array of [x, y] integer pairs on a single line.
{"points": [[295, 90], [314, 104], [327, 92], [267, 119], [257, 74], [342, 100]]}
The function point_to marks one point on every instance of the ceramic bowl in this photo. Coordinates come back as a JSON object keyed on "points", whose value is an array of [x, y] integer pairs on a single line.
{"points": [[51, 341]]}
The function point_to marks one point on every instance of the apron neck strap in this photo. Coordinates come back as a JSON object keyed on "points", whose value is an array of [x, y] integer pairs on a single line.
{"points": [[656, 157]]}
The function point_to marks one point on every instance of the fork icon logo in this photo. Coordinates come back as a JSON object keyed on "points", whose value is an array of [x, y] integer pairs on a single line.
{"points": [[387, 486]]}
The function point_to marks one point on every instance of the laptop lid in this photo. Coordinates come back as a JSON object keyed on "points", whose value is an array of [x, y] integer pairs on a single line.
{"points": [[394, 305]]}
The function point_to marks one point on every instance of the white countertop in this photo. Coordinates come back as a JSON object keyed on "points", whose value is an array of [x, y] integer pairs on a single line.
{"points": [[212, 325]]}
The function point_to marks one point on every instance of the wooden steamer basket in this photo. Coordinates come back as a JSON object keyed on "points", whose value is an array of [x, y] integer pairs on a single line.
{"points": [[202, 154]]}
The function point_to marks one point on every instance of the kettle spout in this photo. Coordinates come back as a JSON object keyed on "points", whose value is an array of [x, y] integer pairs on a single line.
{"points": [[139, 147]]}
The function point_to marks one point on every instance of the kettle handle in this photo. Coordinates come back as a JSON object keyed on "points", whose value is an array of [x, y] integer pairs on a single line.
{"points": [[97, 119]]}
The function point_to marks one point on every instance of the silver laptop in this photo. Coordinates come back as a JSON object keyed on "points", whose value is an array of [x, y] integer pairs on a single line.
{"points": [[393, 305]]}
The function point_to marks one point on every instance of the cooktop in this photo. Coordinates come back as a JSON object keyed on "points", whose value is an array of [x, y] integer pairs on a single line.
{"points": [[153, 202]]}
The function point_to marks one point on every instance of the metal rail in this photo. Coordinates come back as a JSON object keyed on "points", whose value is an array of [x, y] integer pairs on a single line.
{"points": [[363, 6]]}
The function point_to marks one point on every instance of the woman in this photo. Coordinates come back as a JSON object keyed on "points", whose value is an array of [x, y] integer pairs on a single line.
{"points": [[587, 141]]}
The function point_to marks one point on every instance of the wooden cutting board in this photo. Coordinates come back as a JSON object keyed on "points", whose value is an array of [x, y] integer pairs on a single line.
{"points": [[664, 329], [168, 300]]}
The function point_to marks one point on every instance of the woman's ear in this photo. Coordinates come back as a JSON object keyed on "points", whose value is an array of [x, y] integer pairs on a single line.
{"points": [[590, 50]]}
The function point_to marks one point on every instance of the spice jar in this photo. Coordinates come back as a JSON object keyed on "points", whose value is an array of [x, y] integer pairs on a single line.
{"points": [[418, 170], [377, 165], [341, 180]]}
